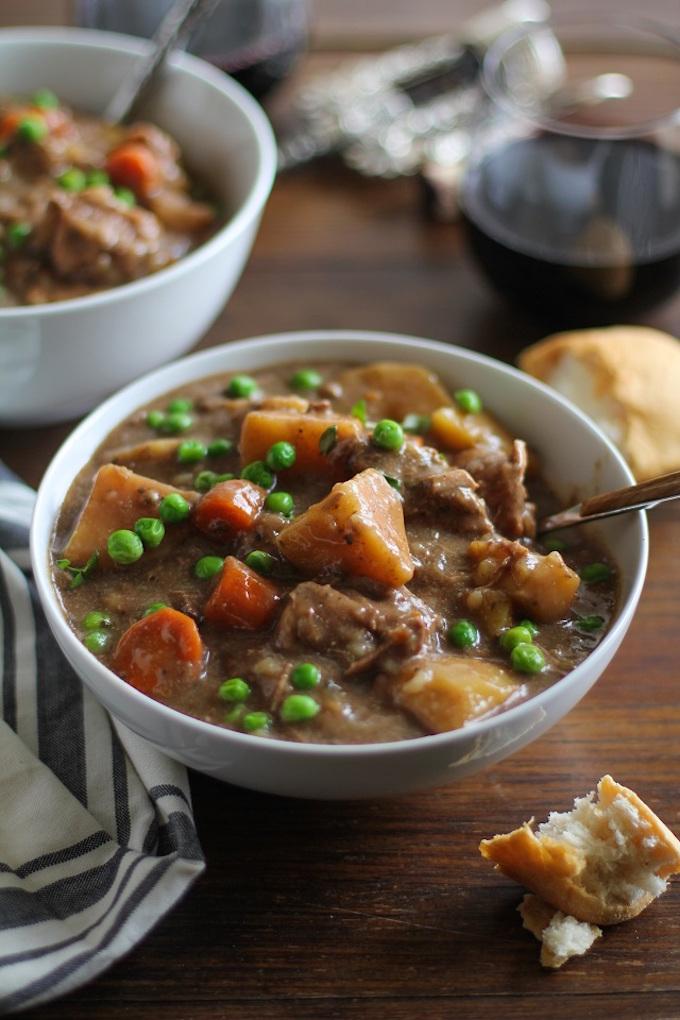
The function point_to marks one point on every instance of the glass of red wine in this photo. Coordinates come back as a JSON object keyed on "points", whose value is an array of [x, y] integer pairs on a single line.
{"points": [[255, 41], [571, 197]]}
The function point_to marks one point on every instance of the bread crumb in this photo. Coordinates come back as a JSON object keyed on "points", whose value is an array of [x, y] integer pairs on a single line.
{"points": [[561, 935]]}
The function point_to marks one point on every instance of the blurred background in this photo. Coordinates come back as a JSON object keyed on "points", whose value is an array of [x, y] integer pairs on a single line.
{"points": [[357, 24]]}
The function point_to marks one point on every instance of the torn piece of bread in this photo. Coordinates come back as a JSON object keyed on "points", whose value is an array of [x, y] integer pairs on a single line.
{"points": [[627, 379], [603, 862], [561, 935]]}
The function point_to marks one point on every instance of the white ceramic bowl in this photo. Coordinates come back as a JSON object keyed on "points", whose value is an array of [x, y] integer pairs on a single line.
{"points": [[59, 360], [576, 457]]}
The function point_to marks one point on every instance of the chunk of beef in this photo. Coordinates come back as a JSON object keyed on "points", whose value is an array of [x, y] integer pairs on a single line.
{"points": [[409, 466], [361, 632], [544, 587], [452, 496], [501, 484], [94, 238]]}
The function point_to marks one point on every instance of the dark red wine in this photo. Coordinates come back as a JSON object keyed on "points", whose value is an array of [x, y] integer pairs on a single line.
{"points": [[584, 230]]}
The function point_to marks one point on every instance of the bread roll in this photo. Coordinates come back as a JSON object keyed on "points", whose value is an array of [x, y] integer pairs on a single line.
{"points": [[603, 862], [627, 378], [561, 935]]}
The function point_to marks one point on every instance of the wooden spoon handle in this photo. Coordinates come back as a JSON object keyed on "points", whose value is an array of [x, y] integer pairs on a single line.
{"points": [[662, 487]]}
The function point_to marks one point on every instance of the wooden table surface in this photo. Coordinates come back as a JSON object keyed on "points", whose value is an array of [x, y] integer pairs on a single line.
{"points": [[384, 909]]}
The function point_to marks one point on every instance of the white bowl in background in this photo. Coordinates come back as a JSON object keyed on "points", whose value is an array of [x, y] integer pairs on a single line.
{"points": [[58, 360], [576, 458]]}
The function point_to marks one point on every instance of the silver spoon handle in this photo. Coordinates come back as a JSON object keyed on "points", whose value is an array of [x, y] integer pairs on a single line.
{"points": [[181, 20], [643, 496]]}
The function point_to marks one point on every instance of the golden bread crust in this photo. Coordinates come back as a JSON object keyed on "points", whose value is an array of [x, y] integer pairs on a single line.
{"points": [[552, 868], [638, 370]]}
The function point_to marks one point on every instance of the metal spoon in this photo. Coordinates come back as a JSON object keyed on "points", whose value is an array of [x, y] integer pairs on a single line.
{"points": [[181, 20], [633, 497]]}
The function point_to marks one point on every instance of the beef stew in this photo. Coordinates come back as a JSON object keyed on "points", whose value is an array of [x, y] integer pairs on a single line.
{"points": [[87, 205], [327, 553]]}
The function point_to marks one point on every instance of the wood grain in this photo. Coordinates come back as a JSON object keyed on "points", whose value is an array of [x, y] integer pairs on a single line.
{"points": [[384, 909]]}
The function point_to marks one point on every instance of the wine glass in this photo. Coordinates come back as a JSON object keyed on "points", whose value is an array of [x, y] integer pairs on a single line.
{"points": [[255, 41], [571, 195]]}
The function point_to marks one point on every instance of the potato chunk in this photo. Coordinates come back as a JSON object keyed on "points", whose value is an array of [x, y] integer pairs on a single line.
{"points": [[359, 527], [393, 389], [446, 691], [541, 586], [153, 450], [261, 429], [117, 498], [455, 430]]}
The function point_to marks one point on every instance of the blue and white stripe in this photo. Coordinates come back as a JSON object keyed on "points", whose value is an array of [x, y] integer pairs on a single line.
{"points": [[97, 838]]}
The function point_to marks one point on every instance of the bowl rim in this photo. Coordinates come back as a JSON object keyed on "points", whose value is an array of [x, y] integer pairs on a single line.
{"points": [[195, 364], [247, 211]]}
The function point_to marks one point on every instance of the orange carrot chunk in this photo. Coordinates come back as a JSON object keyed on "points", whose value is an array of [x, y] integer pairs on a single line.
{"points": [[133, 165], [242, 599], [158, 650], [229, 506], [11, 121]]}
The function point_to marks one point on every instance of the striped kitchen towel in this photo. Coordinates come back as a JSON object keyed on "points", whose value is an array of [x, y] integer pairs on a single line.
{"points": [[97, 838]]}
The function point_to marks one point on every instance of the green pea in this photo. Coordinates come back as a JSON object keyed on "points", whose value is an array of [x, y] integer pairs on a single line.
{"points": [[226, 477], [73, 179], [388, 435], [241, 386], [235, 689], [94, 620], [208, 566], [280, 503], [17, 233], [527, 658], [205, 480], [155, 419], [254, 721], [260, 561], [191, 450], [173, 508], [45, 99], [468, 401], [151, 530], [176, 421], [96, 641], [126, 196], [589, 623], [218, 447], [32, 129], [97, 178], [554, 544], [530, 626], [299, 708], [416, 423], [180, 405], [305, 676], [258, 473], [124, 547], [154, 607], [463, 634], [233, 716], [595, 573], [305, 379], [514, 636], [280, 456]]}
